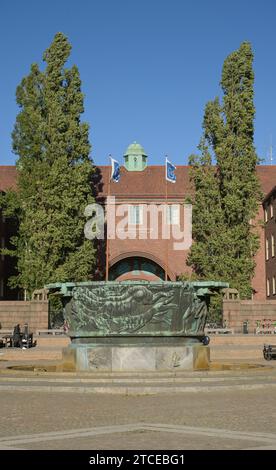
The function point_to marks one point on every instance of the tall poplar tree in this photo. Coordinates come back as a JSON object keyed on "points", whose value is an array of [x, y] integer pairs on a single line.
{"points": [[54, 174], [228, 194]]}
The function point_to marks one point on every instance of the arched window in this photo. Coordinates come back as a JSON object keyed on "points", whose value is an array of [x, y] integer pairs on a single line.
{"points": [[137, 267]]}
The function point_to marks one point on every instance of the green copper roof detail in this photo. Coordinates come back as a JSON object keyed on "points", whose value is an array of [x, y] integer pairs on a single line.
{"points": [[135, 157], [135, 149]]}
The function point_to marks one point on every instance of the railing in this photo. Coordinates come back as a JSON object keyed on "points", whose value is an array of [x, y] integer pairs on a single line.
{"points": [[218, 331], [265, 331], [59, 331], [23, 341]]}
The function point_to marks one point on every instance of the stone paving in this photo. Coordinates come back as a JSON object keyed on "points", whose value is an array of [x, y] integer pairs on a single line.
{"points": [[214, 410], [220, 420]]}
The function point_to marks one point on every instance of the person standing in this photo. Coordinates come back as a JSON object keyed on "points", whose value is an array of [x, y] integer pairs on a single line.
{"points": [[17, 337]]}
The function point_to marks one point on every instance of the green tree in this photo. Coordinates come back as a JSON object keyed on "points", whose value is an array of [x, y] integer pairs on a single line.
{"points": [[54, 174], [227, 193]]}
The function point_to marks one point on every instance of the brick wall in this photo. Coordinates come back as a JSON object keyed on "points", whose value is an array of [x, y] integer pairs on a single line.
{"points": [[270, 230], [142, 245], [235, 312], [35, 313]]}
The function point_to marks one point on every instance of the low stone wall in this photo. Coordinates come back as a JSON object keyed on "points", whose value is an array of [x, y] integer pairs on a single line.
{"points": [[33, 312], [223, 348], [236, 312]]}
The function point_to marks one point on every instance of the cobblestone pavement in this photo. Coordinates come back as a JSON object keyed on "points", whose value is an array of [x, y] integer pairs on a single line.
{"points": [[221, 420], [230, 410]]}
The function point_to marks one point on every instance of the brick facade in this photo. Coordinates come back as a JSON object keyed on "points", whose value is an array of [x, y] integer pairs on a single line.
{"points": [[147, 258], [269, 243]]}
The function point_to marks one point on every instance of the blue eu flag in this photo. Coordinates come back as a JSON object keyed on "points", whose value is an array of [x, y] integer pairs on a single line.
{"points": [[170, 169], [115, 170]]}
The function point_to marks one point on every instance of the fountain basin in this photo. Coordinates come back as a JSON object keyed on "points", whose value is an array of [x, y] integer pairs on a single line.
{"points": [[137, 325]]}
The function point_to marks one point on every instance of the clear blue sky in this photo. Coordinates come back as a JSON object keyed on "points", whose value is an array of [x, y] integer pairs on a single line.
{"points": [[147, 66]]}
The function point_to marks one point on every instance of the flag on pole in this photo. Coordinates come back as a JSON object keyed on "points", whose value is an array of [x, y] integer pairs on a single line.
{"points": [[170, 169], [115, 170]]}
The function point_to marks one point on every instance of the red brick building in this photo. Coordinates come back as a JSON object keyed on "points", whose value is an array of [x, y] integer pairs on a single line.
{"points": [[269, 206], [143, 257], [141, 186]]}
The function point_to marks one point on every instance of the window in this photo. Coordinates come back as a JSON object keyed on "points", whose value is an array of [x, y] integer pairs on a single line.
{"points": [[267, 288], [271, 210], [173, 214], [273, 285], [135, 215], [272, 246], [266, 215], [266, 250]]}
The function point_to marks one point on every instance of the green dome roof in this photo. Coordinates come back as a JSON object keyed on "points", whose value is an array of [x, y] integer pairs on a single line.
{"points": [[135, 149]]}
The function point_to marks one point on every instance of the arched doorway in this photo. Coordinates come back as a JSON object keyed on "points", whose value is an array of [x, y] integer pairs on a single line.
{"points": [[136, 268]]}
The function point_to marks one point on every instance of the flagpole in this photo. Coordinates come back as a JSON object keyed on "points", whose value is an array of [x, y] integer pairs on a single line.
{"points": [[107, 239], [167, 240]]}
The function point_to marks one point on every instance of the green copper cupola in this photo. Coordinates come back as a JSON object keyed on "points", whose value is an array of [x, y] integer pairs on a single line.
{"points": [[135, 157]]}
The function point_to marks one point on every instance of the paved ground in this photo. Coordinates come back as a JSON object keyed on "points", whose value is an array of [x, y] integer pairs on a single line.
{"points": [[224, 410], [220, 420], [192, 410]]}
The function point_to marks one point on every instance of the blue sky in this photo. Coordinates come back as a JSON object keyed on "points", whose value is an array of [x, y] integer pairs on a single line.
{"points": [[147, 67]]}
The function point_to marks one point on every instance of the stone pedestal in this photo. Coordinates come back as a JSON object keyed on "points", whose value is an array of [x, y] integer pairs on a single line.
{"points": [[129, 358]]}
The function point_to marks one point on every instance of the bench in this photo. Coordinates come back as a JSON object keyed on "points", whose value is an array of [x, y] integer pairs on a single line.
{"points": [[215, 331], [8, 341], [59, 331], [5, 337], [269, 351]]}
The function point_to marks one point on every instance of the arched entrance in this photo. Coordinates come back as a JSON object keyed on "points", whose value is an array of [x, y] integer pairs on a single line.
{"points": [[136, 268]]}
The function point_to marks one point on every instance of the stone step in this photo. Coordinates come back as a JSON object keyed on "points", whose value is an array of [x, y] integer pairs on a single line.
{"points": [[215, 340], [135, 388], [26, 355], [52, 340], [56, 355], [240, 340], [59, 379]]}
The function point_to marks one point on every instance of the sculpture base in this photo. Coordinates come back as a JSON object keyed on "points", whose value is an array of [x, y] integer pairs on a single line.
{"points": [[113, 358]]}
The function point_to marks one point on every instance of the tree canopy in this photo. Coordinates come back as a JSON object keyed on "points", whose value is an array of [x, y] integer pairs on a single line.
{"points": [[227, 190], [54, 174]]}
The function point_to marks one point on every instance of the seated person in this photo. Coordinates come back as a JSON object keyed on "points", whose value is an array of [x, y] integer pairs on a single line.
{"points": [[27, 337], [17, 337]]}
